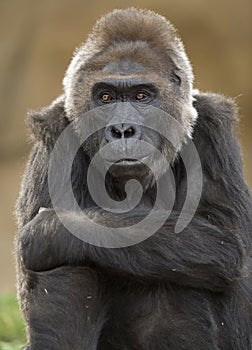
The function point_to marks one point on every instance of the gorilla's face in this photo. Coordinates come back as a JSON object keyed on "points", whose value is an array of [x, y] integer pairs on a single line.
{"points": [[131, 99], [126, 134], [128, 145]]}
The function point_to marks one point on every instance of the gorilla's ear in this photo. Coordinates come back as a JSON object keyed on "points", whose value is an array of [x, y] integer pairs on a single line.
{"points": [[48, 123], [215, 109]]}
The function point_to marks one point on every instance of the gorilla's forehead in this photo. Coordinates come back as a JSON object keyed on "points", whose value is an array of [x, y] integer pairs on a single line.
{"points": [[124, 68], [133, 57], [123, 80]]}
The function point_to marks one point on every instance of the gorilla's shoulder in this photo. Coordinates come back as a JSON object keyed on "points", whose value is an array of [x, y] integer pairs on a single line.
{"points": [[215, 109], [48, 123]]}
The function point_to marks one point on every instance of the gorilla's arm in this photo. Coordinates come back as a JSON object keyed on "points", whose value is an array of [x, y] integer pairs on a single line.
{"points": [[209, 253], [202, 255]]}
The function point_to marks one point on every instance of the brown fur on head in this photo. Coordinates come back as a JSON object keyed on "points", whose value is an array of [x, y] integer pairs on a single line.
{"points": [[148, 43]]}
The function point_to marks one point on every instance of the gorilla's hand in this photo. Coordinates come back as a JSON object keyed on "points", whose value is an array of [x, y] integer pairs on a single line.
{"points": [[45, 243]]}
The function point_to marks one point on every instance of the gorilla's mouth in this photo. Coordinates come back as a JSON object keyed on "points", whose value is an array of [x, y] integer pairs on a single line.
{"points": [[126, 152], [127, 161]]}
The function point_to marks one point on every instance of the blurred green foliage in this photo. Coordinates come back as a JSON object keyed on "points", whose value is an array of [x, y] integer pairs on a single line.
{"points": [[12, 330]]}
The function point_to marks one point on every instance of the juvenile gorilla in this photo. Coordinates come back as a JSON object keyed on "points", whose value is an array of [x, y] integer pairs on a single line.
{"points": [[190, 290]]}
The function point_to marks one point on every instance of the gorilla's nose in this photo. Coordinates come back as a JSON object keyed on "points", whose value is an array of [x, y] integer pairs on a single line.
{"points": [[120, 131]]}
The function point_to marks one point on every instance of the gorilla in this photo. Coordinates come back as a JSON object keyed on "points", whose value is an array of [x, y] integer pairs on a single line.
{"points": [[91, 276]]}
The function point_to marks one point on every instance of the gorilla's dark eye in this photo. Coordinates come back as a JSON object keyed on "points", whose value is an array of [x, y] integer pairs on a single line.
{"points": [[106, 97], [175, 79], [141, 96]]}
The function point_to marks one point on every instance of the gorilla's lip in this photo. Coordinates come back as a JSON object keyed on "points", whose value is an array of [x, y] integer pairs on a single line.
{"points": [[127, 161]]}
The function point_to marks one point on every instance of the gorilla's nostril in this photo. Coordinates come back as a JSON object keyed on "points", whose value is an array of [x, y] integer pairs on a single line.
{"points": [[129, 132], [116, 133]]}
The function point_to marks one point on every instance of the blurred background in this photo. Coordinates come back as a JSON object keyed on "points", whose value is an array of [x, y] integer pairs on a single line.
{"points": [[37, 42]]}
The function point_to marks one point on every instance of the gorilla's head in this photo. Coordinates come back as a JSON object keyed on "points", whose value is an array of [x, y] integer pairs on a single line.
{"points": [[132, 73]]}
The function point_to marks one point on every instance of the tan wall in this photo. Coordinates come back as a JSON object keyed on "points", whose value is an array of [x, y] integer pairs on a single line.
{"points": [[37, 41]]}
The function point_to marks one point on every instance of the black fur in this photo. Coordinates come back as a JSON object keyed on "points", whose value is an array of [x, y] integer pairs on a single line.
{"points": [[185, 291]]}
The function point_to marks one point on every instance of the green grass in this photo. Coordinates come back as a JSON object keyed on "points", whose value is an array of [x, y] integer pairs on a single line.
{"points": [[12, 331]]}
